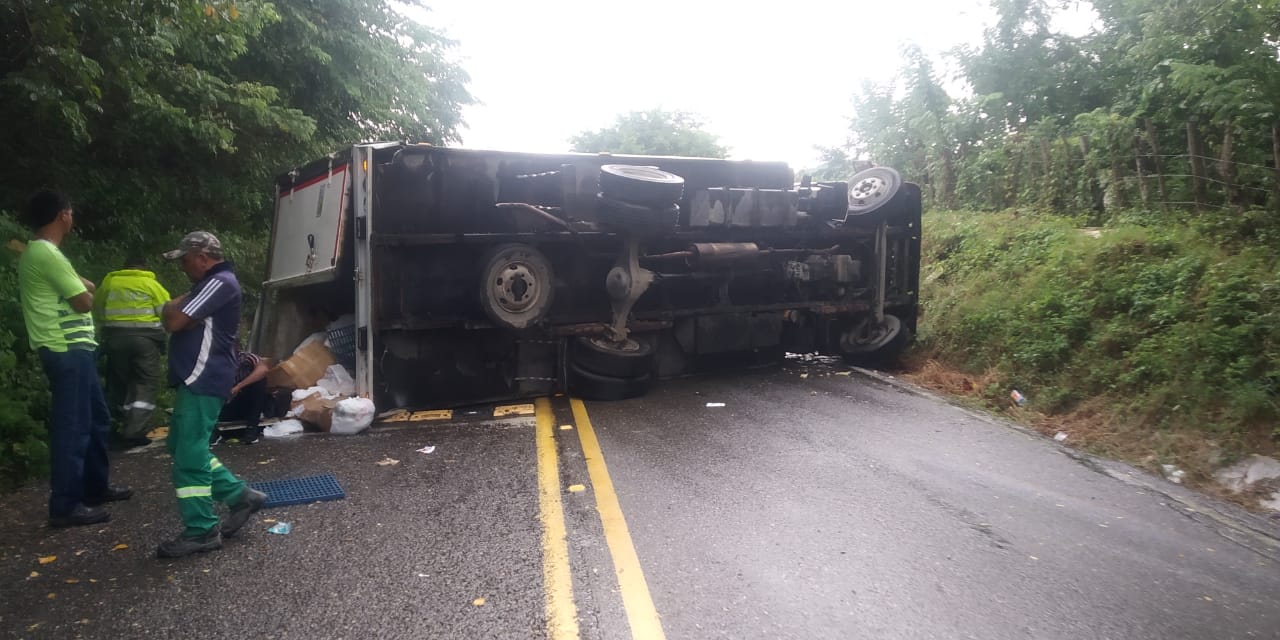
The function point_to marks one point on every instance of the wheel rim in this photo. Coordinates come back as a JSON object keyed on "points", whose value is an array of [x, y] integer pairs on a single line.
{"points": [[516, 288], [870, 189], [626, 345]]}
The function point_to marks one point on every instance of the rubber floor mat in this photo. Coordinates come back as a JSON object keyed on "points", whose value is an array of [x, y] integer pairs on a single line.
{"points": [[300, 490]]}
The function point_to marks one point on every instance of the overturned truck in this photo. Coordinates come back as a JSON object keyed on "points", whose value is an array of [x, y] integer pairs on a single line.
{"points": [[480, 275]]}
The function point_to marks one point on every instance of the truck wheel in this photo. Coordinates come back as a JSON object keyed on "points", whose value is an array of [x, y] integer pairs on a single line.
{"points": [[516, 288], [648, 186], [870, 190], [592, 386], [879, 347], [625, 216], [627, 359]]}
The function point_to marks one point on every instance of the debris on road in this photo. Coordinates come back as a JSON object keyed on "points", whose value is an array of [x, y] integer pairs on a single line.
{"points": [[1172, 473], [576, 488], [1255, 474], [283, 428], [426, 449], [1061, 436], [353, 415], [479, 602], [715, 404], [804, 375], [47, 559], [386, 462], [1017, 397], [281, 528], [120, 547]]}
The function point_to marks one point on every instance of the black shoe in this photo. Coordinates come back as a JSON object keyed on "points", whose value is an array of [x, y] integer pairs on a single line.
{"points": [[128, 444], [80, 516], [251, 436], [114, 493], [250, 502], [184, 546]]}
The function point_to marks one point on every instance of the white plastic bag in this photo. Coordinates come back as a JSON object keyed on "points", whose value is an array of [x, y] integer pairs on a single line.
{"points": [[352, 415], [337, 381], [283, 428]]}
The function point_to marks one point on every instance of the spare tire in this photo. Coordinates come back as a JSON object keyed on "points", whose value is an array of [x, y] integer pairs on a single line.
{"points": [[630, 358], [648, 186], [591, 386], [872, 189], [626, 216]]}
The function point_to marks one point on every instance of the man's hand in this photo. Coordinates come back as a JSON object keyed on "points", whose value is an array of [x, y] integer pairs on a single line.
{"points": [[88, 284]]}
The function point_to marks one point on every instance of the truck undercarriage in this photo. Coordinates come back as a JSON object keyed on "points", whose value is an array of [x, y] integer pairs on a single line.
{"points": [[479, 275]]}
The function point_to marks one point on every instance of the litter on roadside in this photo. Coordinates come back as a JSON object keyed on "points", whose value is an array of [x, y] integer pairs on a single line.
{"points": [[283, 428], [386, 462], [426, 449], [1017, 397], [281, 528], [1060, 436], [715, 404], [1173, 474]]}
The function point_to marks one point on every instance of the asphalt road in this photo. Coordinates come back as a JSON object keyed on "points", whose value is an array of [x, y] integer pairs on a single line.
{"points": [[831, 506]]}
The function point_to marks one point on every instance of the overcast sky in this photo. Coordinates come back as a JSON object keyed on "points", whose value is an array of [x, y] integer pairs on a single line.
{"points": [[772, 80]]}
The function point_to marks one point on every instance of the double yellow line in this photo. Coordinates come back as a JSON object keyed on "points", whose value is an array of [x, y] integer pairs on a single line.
{"points": [[562, 618]]}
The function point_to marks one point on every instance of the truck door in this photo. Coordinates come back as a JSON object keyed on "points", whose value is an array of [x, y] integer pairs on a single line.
{"points": [[309, 223]]}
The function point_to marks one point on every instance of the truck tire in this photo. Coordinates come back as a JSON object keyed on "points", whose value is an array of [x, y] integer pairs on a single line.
{"points": [[636, 218], [592, 386], [870, 191], [516, 286], [884, 351], [648, 186], [629, 359]]}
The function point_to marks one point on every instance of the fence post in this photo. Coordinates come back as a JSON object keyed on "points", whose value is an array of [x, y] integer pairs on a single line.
{"points": [[1096, 198], [1275, 155], [1197, 163], [1154, 141], [1142, 177], [1227, 168]]}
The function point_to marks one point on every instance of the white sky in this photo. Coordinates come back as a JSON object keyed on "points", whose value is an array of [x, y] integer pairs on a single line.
{"points": [[772, 80]]}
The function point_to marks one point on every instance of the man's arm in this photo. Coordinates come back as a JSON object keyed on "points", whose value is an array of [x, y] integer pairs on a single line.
{"points": [[172, 317], [259, 372], [81, 303]]}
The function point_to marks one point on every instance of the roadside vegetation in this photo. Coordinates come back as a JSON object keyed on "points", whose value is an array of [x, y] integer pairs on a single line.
{"points": [[1155, 341], [1103, 217], [158, 118]]}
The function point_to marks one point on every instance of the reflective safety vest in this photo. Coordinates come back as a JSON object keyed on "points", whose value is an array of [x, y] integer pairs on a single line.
{"points": [[131, 299]]}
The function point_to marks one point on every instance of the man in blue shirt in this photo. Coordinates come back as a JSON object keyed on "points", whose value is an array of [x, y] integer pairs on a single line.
{"points": [[204, 323]]}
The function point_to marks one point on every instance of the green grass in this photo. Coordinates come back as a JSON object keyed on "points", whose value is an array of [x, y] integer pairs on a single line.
{"points": [[1170, 326]]}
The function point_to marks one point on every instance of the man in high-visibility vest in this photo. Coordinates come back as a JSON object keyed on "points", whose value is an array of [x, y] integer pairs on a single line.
{"points": [[128, 307]]}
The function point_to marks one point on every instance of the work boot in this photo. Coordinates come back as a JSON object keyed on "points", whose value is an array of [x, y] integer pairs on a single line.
{"points": [[185, 546], [251, 500], [114, 493], [80, 516]]}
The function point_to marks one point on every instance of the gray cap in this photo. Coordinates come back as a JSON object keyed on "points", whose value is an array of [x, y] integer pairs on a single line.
{"points": [[196, 242]]}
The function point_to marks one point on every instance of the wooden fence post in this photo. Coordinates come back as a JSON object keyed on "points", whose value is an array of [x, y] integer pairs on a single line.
{"points": [[1143, 190], [1275, 155], [1154, 141], [1197, 163], [1227, 167]]}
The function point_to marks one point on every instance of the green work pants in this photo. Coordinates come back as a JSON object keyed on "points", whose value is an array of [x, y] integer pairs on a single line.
{"points": [[133, 376], [198, 477]]}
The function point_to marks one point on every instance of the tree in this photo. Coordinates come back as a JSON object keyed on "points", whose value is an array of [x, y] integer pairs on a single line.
{"points": [[156, 114], [652, 132]]}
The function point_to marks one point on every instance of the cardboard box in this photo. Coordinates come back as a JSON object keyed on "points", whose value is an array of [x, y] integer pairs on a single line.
{"points": [[302, 369], [317, 412]]}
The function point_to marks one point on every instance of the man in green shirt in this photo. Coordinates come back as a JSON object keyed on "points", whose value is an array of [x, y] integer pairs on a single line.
{"points": [[55, 306]]}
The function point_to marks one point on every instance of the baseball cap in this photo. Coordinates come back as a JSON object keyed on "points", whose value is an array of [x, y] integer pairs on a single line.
{"points": [[196, 242]]}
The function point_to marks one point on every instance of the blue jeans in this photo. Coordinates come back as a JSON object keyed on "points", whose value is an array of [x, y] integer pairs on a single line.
{"points": [[78, 426]]}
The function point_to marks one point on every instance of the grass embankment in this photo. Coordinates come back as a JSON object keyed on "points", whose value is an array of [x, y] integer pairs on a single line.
{"points": [[1155, 339]]}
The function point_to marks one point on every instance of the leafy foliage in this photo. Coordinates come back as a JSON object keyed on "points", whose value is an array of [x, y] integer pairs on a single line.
{"points": [[652, 132], [158, 117], [1171, 325]]}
